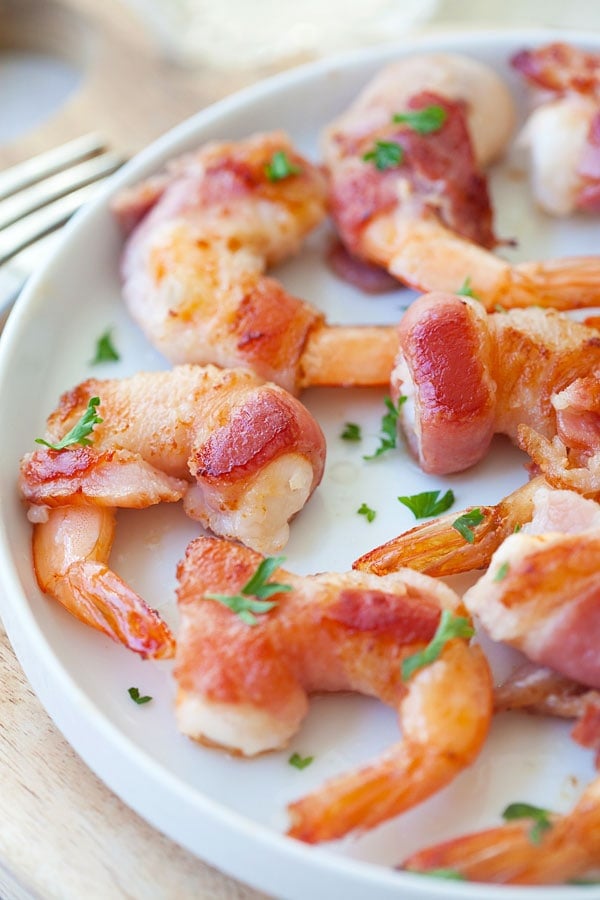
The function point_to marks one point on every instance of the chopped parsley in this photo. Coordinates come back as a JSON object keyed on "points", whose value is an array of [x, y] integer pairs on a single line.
{"points": [[137, 697], [257, 587], [351, 432], [540, 817], [465, 290], [429, 503], [300, 762], [449, 627], [281, 167], [450, 874], [502, 572], [517, 528], [79, 433], [424, 121], [367, 512], [385, 155], [465, 523], [105, 350], [389, 427]]}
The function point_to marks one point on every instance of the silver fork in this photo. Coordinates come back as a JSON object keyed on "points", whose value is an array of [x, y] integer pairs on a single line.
{"points": [[39, 195]]}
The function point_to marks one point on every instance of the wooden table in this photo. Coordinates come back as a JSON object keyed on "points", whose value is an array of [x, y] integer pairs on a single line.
{"points": [[64, 835]]}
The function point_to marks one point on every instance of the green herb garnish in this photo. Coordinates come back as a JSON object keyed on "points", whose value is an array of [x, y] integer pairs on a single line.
{"points": [[450, 874], [429, 503], [300, 762], [367, 512], [449, 627], [385, 155], [502, 572], [281, 167], [423, 121], [105, 351], [78, 434], [517, 528], [465, 523], [351, 432], [541, 818], [136, 696], [258, 587], [465, 290], [389, 427]]}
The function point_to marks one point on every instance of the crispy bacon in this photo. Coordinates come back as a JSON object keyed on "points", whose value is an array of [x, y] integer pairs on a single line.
{"points": [[445, 365], [407, 619], [368, 277], [559, 67], [268, 424], [439, 169]]}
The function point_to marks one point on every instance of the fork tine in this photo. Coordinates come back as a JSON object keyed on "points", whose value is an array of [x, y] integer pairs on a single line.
{"points": [[40, 223], [39, 167], [43, 192]]}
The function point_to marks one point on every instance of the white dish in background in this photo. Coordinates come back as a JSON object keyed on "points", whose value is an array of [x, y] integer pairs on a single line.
{"points": [[231, 812]]}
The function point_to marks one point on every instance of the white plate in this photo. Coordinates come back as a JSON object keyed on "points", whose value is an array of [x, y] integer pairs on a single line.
{"points": [[232, 812]]}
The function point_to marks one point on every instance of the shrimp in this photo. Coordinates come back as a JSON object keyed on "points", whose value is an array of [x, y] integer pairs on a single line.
{"points": [[424, 214], [562, 133], [245, 688], [541, 590], [568, 848], [193, 267], [449, 75], [243, 455], [438, 549], [528, 373]]}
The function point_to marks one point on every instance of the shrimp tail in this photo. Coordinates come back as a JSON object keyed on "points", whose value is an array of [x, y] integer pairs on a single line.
{"points": [[70, 554], [431, 754], [568, 848], [99, 598], [571, 282], [437, 548]]}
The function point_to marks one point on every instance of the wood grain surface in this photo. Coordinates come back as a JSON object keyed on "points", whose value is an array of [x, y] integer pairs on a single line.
{"points": [[64, 835]]}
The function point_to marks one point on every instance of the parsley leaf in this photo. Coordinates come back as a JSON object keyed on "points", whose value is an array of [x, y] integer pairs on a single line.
{"points": [[136, 696], [257, 586], [300, 762], [351, 432], [465, 290], [281, 167], [450, 626], [367, 512], [502, 572], [78, 434], [424, 121], [389, 427], [429, 503], [385, 155], [541, 818], [450, 874], [105, 351], [465, 523]]}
